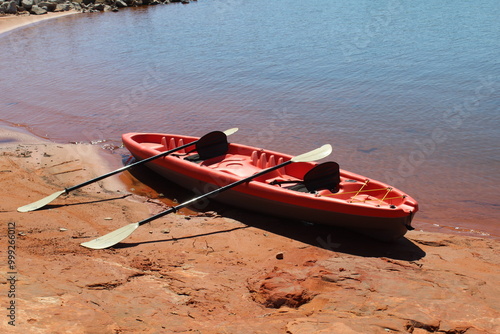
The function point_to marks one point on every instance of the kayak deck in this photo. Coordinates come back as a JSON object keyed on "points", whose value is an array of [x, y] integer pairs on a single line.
{"points": [[243, 161]]}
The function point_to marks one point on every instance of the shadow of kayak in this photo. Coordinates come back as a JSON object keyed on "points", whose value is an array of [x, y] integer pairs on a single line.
{"points": [[327, 237]]}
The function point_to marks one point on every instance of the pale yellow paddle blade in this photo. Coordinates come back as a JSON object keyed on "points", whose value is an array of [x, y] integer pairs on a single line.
{"points": [[317, 154], [40, 203], [111, 238], [229, 132]]}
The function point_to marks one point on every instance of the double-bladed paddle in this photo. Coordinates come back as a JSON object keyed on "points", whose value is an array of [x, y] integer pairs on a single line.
{"points": [[120, 234], [46, 200]]}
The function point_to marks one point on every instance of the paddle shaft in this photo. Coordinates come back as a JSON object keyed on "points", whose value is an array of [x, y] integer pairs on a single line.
{"points": [[120, 234], [119, 170], [213, 192]]}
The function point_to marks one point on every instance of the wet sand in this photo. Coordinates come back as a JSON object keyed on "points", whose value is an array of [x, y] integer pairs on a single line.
{"points": [[227, 271]]}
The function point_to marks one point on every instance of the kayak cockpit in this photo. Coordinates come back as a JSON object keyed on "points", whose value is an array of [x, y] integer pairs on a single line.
{"points": [[242, 161]]}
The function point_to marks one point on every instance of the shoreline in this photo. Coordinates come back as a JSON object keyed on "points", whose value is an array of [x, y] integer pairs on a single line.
{"points": [[100, 160], [234, 272], [12, 22]]}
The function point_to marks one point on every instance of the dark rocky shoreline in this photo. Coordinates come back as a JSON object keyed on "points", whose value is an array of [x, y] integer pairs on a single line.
{"points": [[40, 7]]}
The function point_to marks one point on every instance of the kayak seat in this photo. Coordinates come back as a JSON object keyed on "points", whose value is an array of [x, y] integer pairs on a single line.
{"points": [[323, 176], [236, 165], [283, 179]]}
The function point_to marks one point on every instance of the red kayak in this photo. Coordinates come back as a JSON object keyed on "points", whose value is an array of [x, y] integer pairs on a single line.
{"points": [[319, 193]]}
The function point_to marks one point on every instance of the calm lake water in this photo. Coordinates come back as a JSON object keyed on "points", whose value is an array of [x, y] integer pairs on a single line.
{"points": [[406, 92]]}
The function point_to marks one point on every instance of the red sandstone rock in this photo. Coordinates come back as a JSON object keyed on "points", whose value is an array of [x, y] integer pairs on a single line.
{"points": [[219, 274]]}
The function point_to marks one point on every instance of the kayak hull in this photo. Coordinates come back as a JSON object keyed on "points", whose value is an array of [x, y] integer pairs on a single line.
{"points": [[376, 217]]}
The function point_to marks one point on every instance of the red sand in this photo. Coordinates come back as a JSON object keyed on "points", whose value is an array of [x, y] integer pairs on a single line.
{"points": [[234, 273]]}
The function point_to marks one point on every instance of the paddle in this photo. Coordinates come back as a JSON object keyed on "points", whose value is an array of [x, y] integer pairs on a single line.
{"points": [[120, 234], [46, 200]]}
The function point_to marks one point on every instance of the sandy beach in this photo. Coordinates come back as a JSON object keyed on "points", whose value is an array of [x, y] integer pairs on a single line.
{"points": [[11, 22], [219, 271]]}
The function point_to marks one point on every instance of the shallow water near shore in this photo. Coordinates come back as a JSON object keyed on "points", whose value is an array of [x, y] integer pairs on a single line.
{"points": [[405, 93]]}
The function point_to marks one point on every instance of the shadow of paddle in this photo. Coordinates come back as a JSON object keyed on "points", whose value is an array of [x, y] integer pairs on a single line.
{"points": [[133, 244], [55, 206]]}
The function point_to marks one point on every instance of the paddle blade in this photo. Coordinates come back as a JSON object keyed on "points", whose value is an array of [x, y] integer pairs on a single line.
{"points": [[111, 238], [229, 132], [211, 145], [40, 203], [317, 154]]}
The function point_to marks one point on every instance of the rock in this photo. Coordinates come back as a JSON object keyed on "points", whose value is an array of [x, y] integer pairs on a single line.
{"points": [[120, 4], [420, 331], [44, 6], [35, 10], [9, 7], [470, 330], [50, 6], [76, 6], [63, 7], [27, 4], [212, 214], [99, 6], [279, 289], [431, 283], [329, 278], [308, 326]]}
